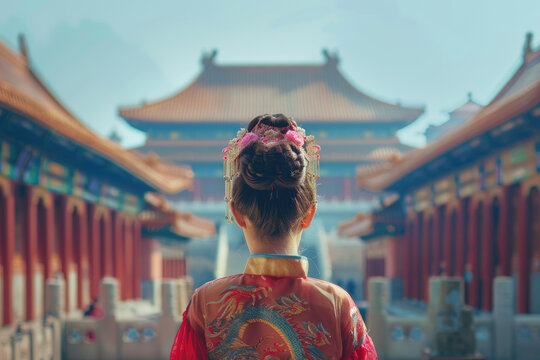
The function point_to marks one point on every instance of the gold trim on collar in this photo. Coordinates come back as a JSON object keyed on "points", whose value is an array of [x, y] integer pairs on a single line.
{"points": [[277, 266]]}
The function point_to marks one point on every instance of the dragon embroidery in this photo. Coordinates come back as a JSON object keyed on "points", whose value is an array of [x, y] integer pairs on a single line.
{"points": [[243, 306]]}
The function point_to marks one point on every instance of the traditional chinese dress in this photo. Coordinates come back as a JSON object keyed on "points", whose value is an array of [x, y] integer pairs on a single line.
{"points": [[272, 311]]}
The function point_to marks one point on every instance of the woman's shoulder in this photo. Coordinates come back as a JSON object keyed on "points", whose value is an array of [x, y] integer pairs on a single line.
{"points": [[329, 287], [217, 285]]}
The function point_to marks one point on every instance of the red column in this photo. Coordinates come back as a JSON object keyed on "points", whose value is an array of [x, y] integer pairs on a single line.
{"points": [[48, 203], [407, 260], [415, 258], [94, 250], [7, 234], [447, 242], [118, 248], [66, 239], [107, 241], [436, 241], [137, 236], [460, 239], [128, 256], [473, 263], [347, 188], [523, 266], [183, 262], [425, 256], [487, 270], [503, 241], [83, 256], [31, 249]]}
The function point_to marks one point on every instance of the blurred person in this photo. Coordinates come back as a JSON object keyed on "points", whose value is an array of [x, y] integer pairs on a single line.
{"points": [[272, 310], [94, 310]]}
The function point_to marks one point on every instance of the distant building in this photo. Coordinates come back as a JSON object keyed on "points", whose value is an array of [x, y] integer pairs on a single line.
{"points": [[193, 125], [457, 118], [470, 200]]}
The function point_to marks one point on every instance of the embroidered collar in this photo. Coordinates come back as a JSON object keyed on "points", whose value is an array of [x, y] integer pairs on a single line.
{"points": [[277, 265]]}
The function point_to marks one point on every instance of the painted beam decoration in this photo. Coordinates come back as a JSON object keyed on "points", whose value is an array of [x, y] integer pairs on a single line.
{"points": [[491, 173], [518, 163], [445, 190], [423, 198], [508, 167], [22, 163], [469, 181]]}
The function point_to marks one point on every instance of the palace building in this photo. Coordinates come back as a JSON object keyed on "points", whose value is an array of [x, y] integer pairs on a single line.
{"points": [[456, 118], [75, 206], [468, 203], [192, 126]]}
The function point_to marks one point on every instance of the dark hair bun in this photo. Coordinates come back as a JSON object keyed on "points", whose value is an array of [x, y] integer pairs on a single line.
{"points": [[282, 164]]}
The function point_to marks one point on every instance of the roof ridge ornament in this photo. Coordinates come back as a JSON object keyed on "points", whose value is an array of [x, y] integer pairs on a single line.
{"points": [[23, 49], [331, 59], [207, 59], [527, 48]]}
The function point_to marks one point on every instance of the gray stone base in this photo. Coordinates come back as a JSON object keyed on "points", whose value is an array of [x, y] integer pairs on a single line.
{"points": [[151, 291]]}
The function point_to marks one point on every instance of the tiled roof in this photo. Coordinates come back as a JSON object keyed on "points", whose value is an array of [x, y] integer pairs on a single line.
{"points": [[364, 225], [308, 93], [158, 215], [22, 91], [457, 117], [383, 176], [526, 75]]}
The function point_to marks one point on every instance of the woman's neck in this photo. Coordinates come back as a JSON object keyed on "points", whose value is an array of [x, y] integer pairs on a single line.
{"points": [[283, 246]]}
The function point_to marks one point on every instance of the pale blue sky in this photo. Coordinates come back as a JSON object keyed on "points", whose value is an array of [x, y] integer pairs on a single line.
{"points": [[97, 55]]}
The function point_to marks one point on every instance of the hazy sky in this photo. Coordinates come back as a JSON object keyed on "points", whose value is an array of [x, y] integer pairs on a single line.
{"points": [[97, 55]]}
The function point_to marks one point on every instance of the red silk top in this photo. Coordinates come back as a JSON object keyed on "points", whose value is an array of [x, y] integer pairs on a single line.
{"points": [[272, 311]]}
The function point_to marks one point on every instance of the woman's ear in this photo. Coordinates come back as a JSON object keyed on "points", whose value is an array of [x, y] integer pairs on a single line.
{"points": [[239, 218], [306, 221]]}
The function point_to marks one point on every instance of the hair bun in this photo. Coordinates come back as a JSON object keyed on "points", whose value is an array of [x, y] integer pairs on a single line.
{"points": [[281, 164]]}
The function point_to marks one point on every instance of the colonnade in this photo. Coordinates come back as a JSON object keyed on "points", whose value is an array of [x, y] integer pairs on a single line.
{"points": [[490, 233], [45, 235]]}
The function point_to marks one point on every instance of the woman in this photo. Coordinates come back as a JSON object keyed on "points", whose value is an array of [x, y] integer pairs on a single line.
{"points": [[272, 310]]}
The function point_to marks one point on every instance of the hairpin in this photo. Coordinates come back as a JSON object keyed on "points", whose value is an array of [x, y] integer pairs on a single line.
{"points": [[268, 135]]}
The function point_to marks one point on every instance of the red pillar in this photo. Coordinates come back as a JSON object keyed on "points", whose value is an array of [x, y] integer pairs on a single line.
{"points": [[94, 250], [473, 263], [415, 258], [436, 264], [460, 239], [183, 262], [503, 240], [50, 224], [128, 256], [118, 248], [407, 260], [82, 254], [137, 236], [108, 246], [487, 270], [425, 257], [7, 234], [347, 188], [523, 266], [447, 242], [31, 249], [66, 239]]}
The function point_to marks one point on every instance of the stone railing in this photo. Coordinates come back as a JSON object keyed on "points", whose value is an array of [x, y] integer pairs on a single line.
{"points": [[500, 334], [527, 336], [124, 332], [405, 336]]}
